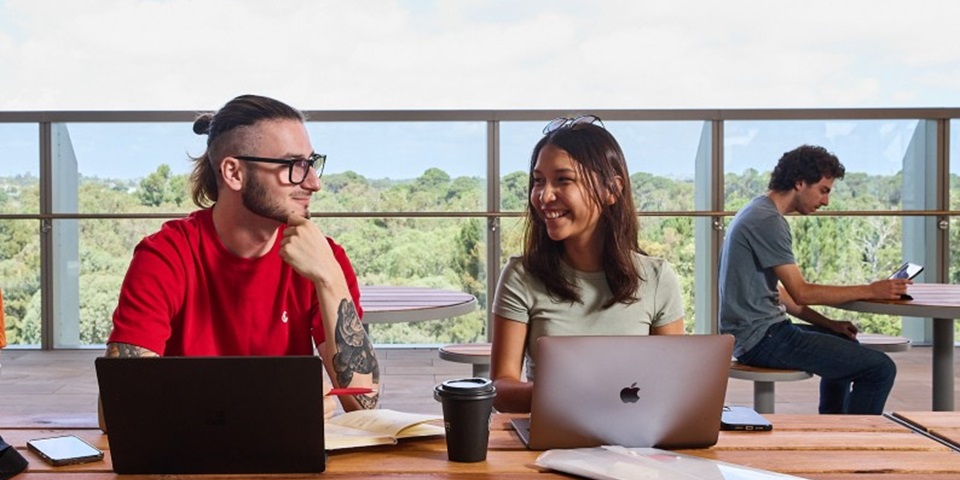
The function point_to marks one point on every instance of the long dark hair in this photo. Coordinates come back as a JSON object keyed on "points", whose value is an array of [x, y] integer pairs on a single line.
{"points": [[600, 162], [227, 132]]}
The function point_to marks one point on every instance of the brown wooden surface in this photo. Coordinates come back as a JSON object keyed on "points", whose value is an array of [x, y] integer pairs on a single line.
{"points": [[388, 304], [735, 365], [938, 301], [828, 447], [884, 343], [934, 300], [934, 295], [466, 352], [943, 425]]}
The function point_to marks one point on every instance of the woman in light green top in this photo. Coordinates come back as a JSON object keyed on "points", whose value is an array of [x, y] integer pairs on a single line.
{"points": [[582, 271]]}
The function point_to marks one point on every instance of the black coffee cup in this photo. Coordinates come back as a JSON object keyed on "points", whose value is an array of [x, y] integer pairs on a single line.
{"points": [[467, 407]]}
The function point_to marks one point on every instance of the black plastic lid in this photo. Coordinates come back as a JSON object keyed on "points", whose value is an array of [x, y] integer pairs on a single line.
{"points": [[475, 386]]}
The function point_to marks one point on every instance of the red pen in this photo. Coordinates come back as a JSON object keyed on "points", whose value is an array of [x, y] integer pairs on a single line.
{"points": [[350, 391]]}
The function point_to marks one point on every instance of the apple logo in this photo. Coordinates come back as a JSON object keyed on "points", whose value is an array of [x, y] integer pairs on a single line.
{"points": [[630, 394]]}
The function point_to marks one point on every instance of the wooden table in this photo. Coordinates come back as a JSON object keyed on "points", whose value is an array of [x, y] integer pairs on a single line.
{"points": [[384, 304], [938, 301], [944, 426], [824, 447]]}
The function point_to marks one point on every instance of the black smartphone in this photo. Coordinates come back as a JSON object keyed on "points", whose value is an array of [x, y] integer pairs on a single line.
{"points": [[907, 270], [743, 419], [65, 450]]}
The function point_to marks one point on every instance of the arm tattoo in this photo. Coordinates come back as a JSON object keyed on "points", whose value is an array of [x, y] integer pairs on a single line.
{"points": [[128, 350], [354, 352], [368, 401]]}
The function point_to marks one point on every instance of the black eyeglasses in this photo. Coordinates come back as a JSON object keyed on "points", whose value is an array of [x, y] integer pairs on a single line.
{"points": [[298, 166], [564, 122]]}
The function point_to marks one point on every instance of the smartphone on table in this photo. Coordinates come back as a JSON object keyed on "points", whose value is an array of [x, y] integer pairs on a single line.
{"points": [[743, 419], [64, 450], [907, 270]]}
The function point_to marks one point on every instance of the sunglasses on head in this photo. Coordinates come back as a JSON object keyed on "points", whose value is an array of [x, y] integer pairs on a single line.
{"points": [[564, 122]]}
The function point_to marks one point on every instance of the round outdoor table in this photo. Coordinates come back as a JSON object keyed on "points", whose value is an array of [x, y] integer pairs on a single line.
{"points": [[938, 301], [387, 304]]}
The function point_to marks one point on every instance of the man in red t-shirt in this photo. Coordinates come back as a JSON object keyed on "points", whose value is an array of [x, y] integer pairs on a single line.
{"points": [[249, 274]]}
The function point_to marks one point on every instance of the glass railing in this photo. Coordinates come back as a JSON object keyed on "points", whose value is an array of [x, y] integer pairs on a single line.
{"points": [[408, 195]]}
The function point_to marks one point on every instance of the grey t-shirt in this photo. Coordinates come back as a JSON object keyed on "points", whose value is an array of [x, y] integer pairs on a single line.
{"points": [[523, 298], [758, 239]]}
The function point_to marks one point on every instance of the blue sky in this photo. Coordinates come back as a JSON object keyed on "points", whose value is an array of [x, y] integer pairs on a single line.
{"points": [[475, 54], [405, 150]]}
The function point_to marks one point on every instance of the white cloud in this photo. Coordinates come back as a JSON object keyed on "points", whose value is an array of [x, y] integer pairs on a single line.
{"points": [[366, 54]]}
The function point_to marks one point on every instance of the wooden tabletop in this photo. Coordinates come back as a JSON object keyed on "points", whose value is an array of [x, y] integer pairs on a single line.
{"points": [[938, 301], [930, 300], [944, 426], [386, 304], [834, 447]]}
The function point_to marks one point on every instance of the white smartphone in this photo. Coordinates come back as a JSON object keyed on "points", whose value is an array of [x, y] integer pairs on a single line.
{"points": [[743, 419], [907, 270], [65, 450]]}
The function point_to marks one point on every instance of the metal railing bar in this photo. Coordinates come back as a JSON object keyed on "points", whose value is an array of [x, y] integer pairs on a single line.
{"points": [[665, 213]]}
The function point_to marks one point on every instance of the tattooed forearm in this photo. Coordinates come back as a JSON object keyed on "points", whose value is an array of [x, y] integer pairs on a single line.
{"points": [[355, 353], [368, 401], [128, 350]]}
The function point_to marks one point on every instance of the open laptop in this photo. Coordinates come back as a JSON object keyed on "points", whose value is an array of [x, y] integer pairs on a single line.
{"points": [[186, 415], [663, 391]]}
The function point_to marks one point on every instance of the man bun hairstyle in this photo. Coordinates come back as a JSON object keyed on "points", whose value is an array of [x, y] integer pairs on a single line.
{"points": [[201, 126], [806, 163], [228, 133]]}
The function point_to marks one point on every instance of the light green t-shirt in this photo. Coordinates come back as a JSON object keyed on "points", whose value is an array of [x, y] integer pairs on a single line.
{"points": [[523, 298]]}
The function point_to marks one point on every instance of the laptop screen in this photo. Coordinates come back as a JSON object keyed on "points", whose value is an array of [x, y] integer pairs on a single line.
{"points": [[181, 415], [635, 391]]}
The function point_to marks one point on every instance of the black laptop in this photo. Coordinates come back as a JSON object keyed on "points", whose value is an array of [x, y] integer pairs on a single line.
{"points": [[224, 415]]}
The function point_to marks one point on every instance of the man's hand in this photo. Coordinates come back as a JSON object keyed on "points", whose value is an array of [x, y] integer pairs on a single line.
{"points": [[845, 328], [889, 289], [306, 249]]}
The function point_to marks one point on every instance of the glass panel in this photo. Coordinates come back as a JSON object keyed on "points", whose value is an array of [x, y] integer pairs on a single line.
{"points": [[953, 259], [953, 272], [20, 168], [671, 238], [953, 269], [20, 271], [954, 155], [402, 167], [131, 167], [849, 251], [106, 247], [439, 253], [511, 238], [872, 151], [660, 158]]}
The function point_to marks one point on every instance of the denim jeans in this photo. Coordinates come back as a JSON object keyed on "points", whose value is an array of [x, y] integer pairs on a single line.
{"points": [[839, 361]]}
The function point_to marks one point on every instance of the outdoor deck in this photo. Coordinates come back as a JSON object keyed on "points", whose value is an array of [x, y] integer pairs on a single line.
{"points": [[39, 383]]}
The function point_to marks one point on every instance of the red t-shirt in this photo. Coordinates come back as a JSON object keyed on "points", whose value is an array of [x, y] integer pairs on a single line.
{"points": [[186, 294]]}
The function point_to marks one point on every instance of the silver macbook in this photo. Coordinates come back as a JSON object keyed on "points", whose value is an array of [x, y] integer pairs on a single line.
{"points": [[663, 391], [223, 415]]}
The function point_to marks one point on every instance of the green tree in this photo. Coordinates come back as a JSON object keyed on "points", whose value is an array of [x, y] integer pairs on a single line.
{"points": [[153, 189], [513, 191]]}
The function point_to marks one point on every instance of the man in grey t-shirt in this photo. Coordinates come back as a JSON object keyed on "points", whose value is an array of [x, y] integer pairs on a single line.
{"points": [[760, 283]]}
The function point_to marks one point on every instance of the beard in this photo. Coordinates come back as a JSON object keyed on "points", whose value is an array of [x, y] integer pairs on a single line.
{"points": [[258, 200]]}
